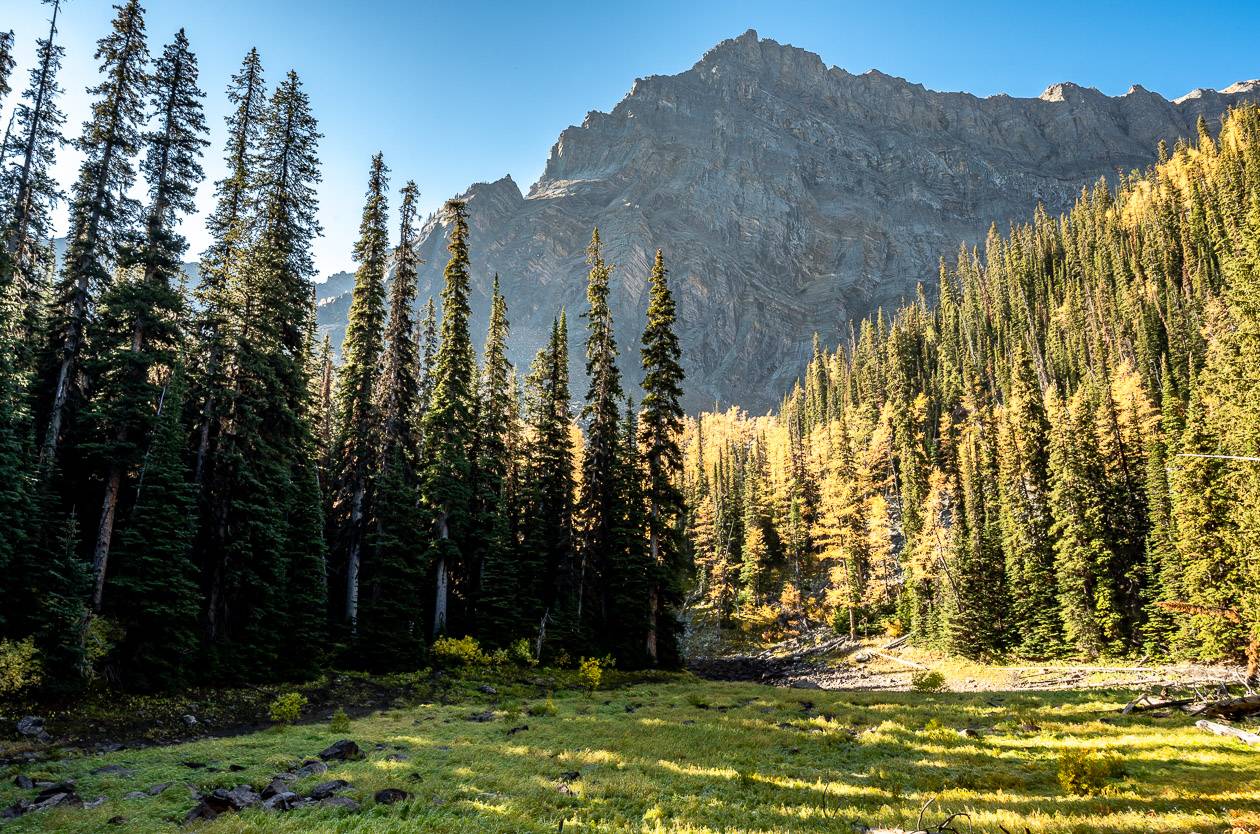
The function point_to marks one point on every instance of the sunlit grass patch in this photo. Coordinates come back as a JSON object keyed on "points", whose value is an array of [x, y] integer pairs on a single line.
{"points": [[650, 758]]}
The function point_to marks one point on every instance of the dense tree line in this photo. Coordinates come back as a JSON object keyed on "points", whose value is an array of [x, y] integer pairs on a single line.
{"points": [[1056, 455], [192, 490]]}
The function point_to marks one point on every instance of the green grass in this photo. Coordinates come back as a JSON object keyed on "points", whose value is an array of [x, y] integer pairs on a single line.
{"points": [[697, 756]]}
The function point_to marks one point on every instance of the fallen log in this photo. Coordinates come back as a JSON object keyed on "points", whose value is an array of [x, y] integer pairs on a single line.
{"points": [[1143, 703], [1229, 707], [1222, 730]]}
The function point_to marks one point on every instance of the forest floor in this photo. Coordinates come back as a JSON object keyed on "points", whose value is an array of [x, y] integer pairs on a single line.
{"points": [[529, 751]]}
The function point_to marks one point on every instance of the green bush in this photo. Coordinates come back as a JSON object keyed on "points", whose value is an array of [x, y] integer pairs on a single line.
{"points": [[1084, 772], [521, 654], [287, 708], [591, 671], [927, 681], [340, 722], [541, 708], [19, 666], [458, 651]]}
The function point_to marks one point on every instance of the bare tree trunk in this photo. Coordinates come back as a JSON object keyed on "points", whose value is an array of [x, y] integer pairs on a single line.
{"points": [[352, 559], [100, 554], [439, 604]]}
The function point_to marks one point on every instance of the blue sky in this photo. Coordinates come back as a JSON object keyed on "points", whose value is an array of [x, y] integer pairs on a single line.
{"points": [[457, 92]]}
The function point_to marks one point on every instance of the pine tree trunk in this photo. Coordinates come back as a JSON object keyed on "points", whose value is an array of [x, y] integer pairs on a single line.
{"points": [[352, 558], [439, 604], [654, 547], [100, 554]]}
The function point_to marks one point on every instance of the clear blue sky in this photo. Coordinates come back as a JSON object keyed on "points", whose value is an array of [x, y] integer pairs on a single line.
{"points": [[456, 92]]}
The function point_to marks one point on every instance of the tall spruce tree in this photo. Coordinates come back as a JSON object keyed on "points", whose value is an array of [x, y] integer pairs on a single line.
{"points": [[230, 226], [154, 589], [599, 506], [253, 546], [101, 215], [498, 617], [547, 569], [28, 190], [391, 627], [450, 426], [141, 325], [358, 417], [661, 432]]}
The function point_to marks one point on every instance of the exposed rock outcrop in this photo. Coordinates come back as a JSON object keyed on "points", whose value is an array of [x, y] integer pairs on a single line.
{"points": [[789, 197]]}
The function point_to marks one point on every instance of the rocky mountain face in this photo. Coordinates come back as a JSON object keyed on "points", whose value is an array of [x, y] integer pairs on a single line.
{"points": [[789, 197]]}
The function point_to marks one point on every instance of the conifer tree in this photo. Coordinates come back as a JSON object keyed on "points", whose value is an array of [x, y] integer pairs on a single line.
{"points": [[28, 190], [547, 568], [599, 500], [1023, 473], [220, 291], [141, 326], [7, 62], [499, 614], [264, 438], [357, 413], [449, 425], [661, 428], [154, 589], [101, 215], [391, 628], [427, 348]]}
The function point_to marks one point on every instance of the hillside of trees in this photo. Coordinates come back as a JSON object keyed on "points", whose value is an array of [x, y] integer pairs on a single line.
{"points": [[192, 492], [1059, 455]]}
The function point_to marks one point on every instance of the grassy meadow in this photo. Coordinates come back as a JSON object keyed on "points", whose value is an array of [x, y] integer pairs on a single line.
{"points": [[686, 755]]}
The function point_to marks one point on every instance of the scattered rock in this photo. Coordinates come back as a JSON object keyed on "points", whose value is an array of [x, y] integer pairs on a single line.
{"points": [[570, 776], [312, 768], [154, 790], [326, 789], [487, 689], [1029, 728], [389, 796], [397, 757], [222, 801], [967, 732], [32, 726], [96, 803], [243, 796], [281, 801], [119, 820], [23, 781], [193, 765], [482, 717], [278, 785], [344, 750], [189, 720], [235, 768], [522, 728], [340, 802], [135, 795]]}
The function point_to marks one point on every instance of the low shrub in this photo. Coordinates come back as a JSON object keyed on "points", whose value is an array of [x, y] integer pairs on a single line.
{"points": [[1084, 772], [521, 654], [19, 666], [458, 651], [927, 681], [539, 709], [591, 671], [340, 722], [287, 708]]}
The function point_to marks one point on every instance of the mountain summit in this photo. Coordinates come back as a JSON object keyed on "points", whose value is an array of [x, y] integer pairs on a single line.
{"points": [[789, 197]]}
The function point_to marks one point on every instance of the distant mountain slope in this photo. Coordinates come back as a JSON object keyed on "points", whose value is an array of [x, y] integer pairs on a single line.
{"points": [[788, 197]]}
